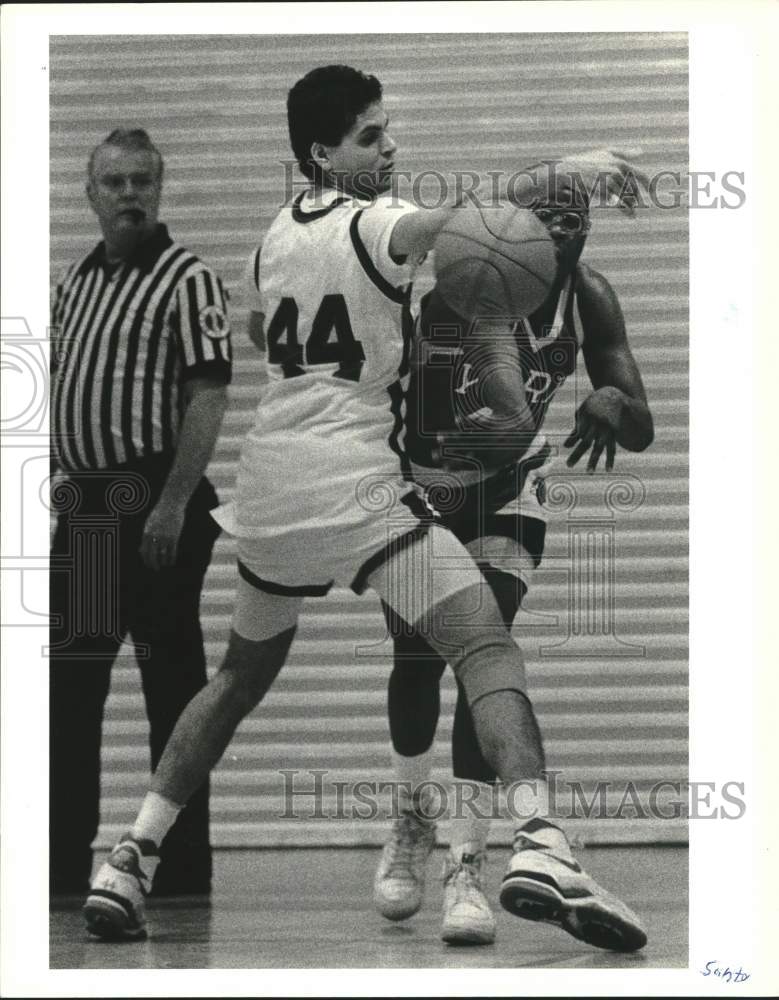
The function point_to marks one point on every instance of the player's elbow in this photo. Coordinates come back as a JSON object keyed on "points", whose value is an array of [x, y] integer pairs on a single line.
{"points": [[521, 421], [512, 413]]}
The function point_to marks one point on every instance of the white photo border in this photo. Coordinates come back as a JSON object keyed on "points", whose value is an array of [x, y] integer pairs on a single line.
{"points": [[732, 64]]}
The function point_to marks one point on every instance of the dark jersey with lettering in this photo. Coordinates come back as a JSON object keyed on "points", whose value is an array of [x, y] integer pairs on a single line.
{"points": [[444, 393]]}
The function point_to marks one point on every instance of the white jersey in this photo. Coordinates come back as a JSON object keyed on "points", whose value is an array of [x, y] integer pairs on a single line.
{"points": [[338, 328], [333, 298]]}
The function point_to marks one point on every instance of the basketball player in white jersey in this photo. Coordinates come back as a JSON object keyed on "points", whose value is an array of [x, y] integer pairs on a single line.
{"points": [[319, 495], [495, 507]]}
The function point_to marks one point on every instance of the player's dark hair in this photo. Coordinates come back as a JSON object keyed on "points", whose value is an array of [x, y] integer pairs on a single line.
{"points": [[131, 139], [323, 106]]}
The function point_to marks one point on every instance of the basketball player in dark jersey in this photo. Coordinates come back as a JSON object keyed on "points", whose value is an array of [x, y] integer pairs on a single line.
{"points": [[478, 397]]}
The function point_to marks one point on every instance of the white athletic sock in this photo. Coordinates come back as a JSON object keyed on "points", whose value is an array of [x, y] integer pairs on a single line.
{"points": [[157, 815], [468, 831], [527, 800], [410, 773]]}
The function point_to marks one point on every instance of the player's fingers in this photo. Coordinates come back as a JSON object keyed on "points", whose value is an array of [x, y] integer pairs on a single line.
{"points": [[581, 425], [623, 160], [595, 454], [585, 425], [614, 186], [580, 448], [626, 154], [642, 179], [630, 196], [625, 207], [630, 172], [611, 450], [576, 454], [618, 197], [602, 438]]}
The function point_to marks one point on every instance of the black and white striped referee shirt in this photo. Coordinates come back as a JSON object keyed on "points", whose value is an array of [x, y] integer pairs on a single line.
{"points": [[125, 341]]}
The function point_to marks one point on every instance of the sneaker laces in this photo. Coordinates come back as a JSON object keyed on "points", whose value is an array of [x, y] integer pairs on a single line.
{"points": [[410, 830], [128, 857], [525, 843], [464, 875]]}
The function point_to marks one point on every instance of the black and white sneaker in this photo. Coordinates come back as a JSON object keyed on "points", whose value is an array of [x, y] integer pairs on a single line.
{"points": [[115, 909], [540, 885]]}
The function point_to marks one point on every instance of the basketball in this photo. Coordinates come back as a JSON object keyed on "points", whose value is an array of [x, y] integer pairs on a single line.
{"points": [[494, 261]]}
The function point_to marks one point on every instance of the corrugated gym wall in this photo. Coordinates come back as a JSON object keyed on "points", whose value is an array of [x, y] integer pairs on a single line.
{"points": [[605, 629]]}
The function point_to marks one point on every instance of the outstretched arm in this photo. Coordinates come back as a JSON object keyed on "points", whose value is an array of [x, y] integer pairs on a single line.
{"points": [[604, 177], [616, 412], [416, 232]]}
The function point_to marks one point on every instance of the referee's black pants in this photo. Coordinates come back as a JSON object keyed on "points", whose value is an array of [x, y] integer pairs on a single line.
{"points": [[100, 591]]}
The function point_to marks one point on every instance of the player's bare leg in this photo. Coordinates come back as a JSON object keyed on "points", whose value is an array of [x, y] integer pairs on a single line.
{"points": [[413, 708], [465, 627], [115, 906], [208, 723], [543, 882]]}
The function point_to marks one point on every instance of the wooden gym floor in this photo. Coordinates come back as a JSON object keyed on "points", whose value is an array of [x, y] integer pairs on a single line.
{"points": [[300, 908]]}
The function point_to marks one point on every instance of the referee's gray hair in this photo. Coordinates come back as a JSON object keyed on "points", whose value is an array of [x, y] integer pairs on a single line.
{"points": [[127, 138]]}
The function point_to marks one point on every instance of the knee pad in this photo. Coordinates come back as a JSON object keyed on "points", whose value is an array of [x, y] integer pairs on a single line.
{"points": [[489, 663]]}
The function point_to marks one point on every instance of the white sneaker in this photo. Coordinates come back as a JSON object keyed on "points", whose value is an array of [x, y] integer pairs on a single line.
{"points": [[400, 877], [542, 886], [468, 918], [115, 908]]}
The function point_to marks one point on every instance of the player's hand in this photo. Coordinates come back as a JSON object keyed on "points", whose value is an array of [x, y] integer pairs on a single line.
{"points": [[597, 425], [161, 534], [624, 181]]}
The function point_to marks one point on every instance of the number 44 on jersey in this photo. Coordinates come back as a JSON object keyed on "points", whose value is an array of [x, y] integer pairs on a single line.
{"points": [[321, 348]]}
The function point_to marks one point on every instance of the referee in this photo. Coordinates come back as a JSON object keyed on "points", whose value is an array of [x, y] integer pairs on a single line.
{"points": [[141, 363]]}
